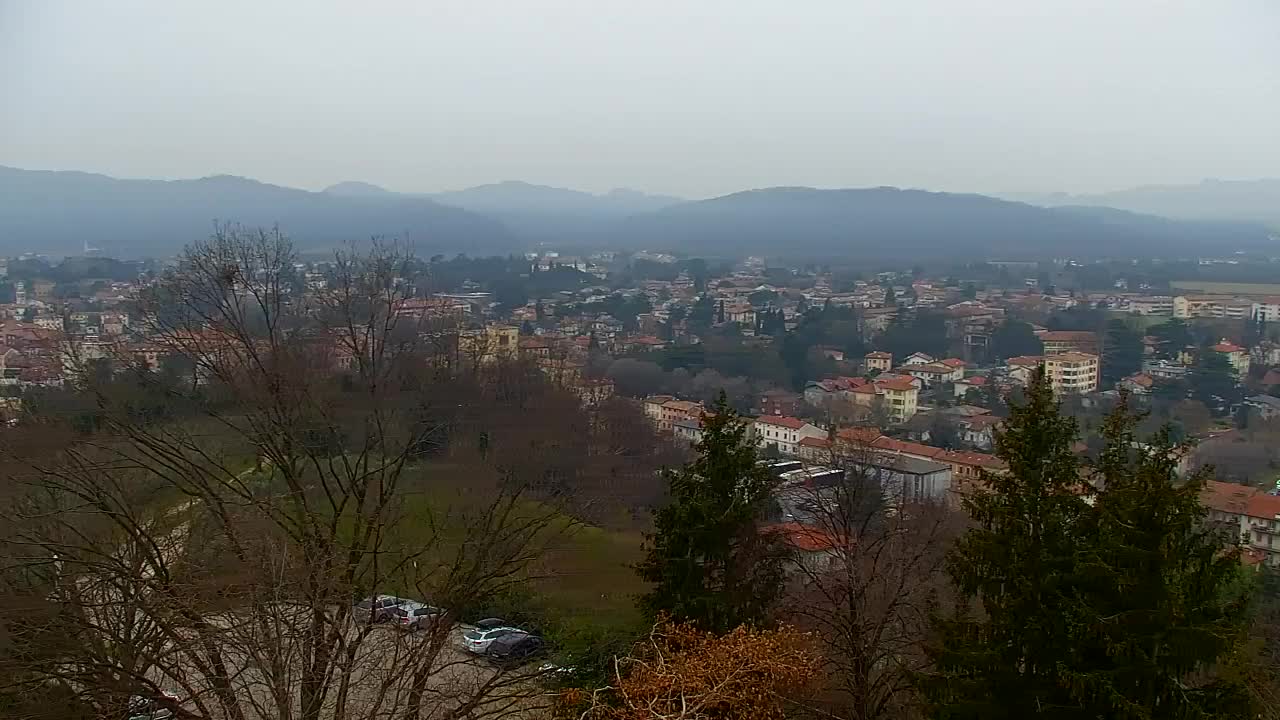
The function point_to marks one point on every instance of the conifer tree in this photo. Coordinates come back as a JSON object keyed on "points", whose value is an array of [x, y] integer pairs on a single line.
{"points": [[707, 559], [1016, 562], [1163, 599]]}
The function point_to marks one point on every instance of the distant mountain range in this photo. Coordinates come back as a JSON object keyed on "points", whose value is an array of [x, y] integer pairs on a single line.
{"points": [[56, 212], [537, 212], [1245, 200], [889, 223]]}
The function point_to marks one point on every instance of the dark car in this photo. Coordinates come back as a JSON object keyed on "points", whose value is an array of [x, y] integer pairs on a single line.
{"points": [[145, 708], [491, 623], [515, 649]]}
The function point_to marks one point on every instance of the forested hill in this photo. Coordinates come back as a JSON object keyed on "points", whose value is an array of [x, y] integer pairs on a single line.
{"points": [[58, 212], [889, 223]]}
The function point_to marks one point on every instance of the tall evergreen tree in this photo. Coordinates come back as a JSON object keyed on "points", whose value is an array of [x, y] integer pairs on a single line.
{"points": [[1162, 602], [707, 559], [1121, 352], [1017, 563]]}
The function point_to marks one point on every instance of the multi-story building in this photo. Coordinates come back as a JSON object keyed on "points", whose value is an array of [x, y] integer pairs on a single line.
{"points": [[1246, 514], [1151, 304], [665, 411], [784, 433], [1211, 306], [1266, 309], [1237, 356], [900, 397], [1072, 372]]}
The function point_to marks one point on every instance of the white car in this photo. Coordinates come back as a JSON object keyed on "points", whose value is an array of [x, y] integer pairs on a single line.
{"points": [[478, 640]]}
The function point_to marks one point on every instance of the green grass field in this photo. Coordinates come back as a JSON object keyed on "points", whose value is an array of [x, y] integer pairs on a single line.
{"points": [[585, 577], [1226, 288]]}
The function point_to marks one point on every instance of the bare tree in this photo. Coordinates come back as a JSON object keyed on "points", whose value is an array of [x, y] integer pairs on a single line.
{"points": [[865, 579], [209, 560]]}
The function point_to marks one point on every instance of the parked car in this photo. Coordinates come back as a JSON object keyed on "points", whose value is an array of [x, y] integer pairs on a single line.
{"points": [[377, 608], [477, 640], [145, 708], [515, 649], [414, 615], [491, 623]]}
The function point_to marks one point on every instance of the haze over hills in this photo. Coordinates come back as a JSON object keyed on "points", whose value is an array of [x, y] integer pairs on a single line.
{"points": [[888, 222], [56, 212], [1245, 200], [538, 212]]}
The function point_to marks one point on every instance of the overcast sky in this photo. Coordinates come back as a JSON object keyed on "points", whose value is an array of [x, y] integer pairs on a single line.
{"points": [[692, 97]]}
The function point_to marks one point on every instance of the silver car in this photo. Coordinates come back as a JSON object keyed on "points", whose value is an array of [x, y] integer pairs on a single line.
{"points": [[376, 609], [412, 616]]}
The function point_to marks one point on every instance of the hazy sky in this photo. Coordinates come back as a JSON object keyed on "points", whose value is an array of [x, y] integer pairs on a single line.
{"points": [[694, 97]]}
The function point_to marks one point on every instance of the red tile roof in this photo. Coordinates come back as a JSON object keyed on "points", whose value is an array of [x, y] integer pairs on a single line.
{"points": [[1025, 360], [976, 380], [858, 435], [878, 355], [898, 384], [782, 421], [1141, 380], [804, 537], [954, 362], [1263, 506], [1226, 347], [814, 442], [1226, 497]]}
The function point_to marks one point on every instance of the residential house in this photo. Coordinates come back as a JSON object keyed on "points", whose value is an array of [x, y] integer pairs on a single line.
{"points": [[832, 353], [643, 343], [1266, 406], [783, 432], [1164, 370], [814, 450], [779, 402], [877, 361], [1022, 367], [665, 411], [1137, 384], [875, 320], [1248, 514], [688, 430], [1235, 355], [964, 385], [918, 358], [935, 373], [813, 549], [490, 343], [978, 430]]}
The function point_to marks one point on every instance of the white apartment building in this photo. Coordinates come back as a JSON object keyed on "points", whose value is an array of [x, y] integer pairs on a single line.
{"points": [[784, 433]]}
